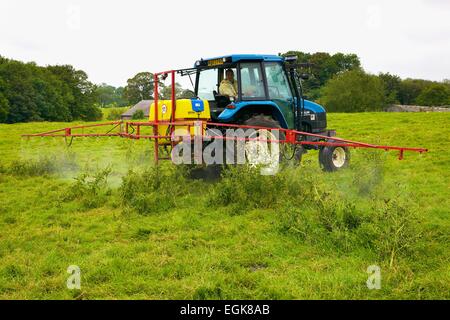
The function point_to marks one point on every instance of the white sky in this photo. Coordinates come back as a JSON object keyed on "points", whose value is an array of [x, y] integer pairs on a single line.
{"points": [[113, 40]]}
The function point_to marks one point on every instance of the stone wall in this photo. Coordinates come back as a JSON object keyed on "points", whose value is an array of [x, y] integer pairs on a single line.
{"points": [[404, 108]]}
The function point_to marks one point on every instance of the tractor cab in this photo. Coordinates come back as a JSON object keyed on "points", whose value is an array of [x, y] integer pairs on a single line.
{"points": [[265, 84]]}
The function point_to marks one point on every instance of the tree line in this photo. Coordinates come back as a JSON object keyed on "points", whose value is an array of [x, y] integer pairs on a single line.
{"points": [[54, 93], [340, 83], [29, 92]]}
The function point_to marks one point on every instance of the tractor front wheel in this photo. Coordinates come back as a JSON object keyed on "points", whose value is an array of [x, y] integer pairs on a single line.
{"points": [[334, 158]]}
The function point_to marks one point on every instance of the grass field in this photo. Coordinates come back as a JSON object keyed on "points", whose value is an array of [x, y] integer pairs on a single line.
{"points": [[154, 234]]}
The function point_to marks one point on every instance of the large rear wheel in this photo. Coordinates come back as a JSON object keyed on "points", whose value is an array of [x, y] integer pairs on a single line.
{"points": [[263, 148]]}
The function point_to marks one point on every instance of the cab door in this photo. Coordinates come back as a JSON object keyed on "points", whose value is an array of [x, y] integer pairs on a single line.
{"points": [[279, 90]]}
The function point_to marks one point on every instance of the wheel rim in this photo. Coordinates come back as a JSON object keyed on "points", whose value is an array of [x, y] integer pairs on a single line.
{"points": [[338, 157]]}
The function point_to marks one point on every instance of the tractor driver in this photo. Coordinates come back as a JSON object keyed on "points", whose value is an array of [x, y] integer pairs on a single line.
{"points": [[228, 86]]}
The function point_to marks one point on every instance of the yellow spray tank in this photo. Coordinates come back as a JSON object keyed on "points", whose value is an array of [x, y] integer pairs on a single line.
{"points": [[186, 110]]}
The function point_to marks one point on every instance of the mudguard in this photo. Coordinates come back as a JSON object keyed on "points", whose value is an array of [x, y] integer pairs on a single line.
{"points": [[229, 114]]}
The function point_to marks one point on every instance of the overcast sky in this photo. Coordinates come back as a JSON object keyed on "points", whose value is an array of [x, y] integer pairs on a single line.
{"points": [[113, 40]]}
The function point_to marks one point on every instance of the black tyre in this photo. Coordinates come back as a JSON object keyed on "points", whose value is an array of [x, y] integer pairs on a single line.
{"points": [[268, 122], [290, 155], [334, 158], [262, 121], [207, 172]]}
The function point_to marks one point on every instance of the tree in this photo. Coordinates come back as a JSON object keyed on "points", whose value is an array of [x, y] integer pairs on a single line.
{"points": [[49, 96], [54, 93], [105, 94], [166, 91], [353, 91], [410, 89], [323, 67], [120, 97], [187, 94], [435, 94], [109, 96], [18, 89], [4, 108], [392, 85], [140, 87], [4, 103], [79, 92]]}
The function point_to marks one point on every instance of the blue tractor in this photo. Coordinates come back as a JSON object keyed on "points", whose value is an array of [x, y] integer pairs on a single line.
{"points": [[268, 94]]}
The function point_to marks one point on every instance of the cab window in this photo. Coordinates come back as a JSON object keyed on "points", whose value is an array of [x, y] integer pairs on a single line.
{"points": [[277, 82], [207, 84], [252, 85]]}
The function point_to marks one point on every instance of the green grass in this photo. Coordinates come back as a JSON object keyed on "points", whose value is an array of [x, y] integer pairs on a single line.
{"points": [[155, 234]]}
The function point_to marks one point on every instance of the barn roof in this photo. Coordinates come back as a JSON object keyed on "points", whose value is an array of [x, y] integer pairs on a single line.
{"points": [[143, 105]]}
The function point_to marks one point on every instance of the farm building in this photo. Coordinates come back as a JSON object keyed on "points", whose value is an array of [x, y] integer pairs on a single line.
{"points": [[143, 105]]}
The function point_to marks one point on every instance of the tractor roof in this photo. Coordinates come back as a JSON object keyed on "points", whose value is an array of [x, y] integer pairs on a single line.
{"points": [[265, 57], [239, 57]]}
